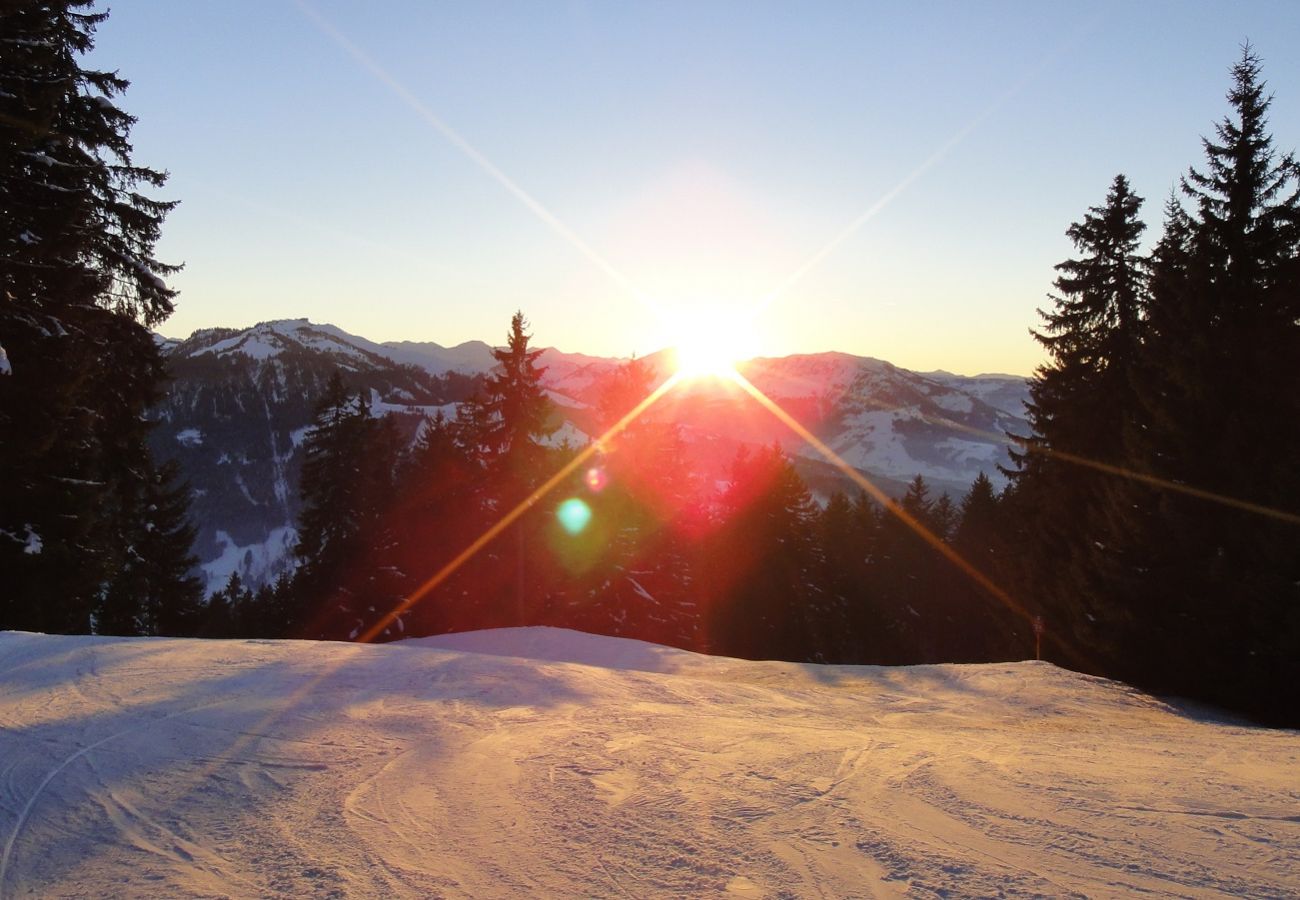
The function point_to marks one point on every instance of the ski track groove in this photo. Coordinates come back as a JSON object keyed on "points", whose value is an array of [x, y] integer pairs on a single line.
{"points": [[7, 853]]}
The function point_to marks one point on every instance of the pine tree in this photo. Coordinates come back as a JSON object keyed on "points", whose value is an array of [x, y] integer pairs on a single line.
{"points": [[631, 569], [438, 512], [1081, 404], [993, 631], [348, 579], [903, 578], [509, 418], [977, 522], [943, 515], [503, 427], [78, 283], [153, 589], [225, 609], [1211, 582], [846, 536], [765, 563]]}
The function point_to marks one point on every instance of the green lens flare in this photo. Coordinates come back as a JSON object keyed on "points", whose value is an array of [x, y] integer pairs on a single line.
{"points": [[573, 515]]}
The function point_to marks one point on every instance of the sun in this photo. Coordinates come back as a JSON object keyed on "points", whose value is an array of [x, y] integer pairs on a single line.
{"points": [[709, 343]]}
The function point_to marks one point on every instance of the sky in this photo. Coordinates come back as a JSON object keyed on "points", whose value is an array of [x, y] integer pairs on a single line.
{"points": [[889, 180]]}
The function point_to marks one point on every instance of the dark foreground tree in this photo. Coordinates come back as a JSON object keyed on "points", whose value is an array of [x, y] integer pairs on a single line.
{"points": [[348, 579], [764, 595], [1215, 586], [1081, 404], [78, 369], [502, 427]]}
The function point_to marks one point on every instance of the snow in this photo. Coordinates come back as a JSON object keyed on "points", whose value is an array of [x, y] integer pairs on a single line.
{"points": [[954, 402], [31, 541], [256, 562], [566, 432], [267, 340], [641, 591], [5, 367], [870, 440], [542, 762], [382, 407], [812, 375], [190, 437], [964, 452]]}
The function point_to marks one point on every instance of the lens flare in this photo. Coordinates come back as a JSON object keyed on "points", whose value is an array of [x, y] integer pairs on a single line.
{"points": [[573, 515], [596, 479]]}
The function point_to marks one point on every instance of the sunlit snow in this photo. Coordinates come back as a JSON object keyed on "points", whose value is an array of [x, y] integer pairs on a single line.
{"points": [[541, 762]]}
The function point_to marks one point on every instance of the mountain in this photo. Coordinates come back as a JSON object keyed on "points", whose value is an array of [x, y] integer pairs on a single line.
{"points": [[1006, 392], [239, 404], [891, 422]]}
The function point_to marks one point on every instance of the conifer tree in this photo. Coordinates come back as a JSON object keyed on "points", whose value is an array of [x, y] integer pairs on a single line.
{"points": [[503, 427], [78, 285], [903, 578], [1210, 581], [153, 589], [994, 631], [348, 578], [509, 418], [638, 580], [437, 513], [765, 563], [1081, 404], [853, 628]]}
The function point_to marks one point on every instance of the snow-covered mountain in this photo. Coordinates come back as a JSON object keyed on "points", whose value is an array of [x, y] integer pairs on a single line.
{"points": [[891, 422], [240, 401], [548, 763], [237, 407]]}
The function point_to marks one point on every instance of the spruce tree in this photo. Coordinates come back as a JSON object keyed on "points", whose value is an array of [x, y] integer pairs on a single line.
{"points": [[509, 417], [994, 632], [1215, 586], [437, 513], [1081, 404], [904, 575], [153, 589], [765, 563], [78, 285], [853, 627], [632, 565], [503, 427], [347, 548]]}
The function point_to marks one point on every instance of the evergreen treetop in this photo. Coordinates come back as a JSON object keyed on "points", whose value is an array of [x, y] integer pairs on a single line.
{"points": [[1248, 197]]}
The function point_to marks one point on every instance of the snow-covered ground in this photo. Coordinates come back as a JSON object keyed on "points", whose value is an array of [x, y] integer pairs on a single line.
{"points": [[549, 763]]}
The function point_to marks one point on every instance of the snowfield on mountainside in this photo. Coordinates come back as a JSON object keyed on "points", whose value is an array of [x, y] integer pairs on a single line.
{"points": [[544, 762]]}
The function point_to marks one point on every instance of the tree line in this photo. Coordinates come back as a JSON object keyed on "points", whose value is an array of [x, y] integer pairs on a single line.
{"points": [[633, 543], [93, 532], [1157, 498]]}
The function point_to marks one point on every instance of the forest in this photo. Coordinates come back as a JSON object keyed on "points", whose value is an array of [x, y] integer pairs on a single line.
{"points": [[1151, 523]]}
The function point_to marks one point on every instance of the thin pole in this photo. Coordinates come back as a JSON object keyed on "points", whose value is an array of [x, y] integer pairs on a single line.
{"points": [[519, 577]]}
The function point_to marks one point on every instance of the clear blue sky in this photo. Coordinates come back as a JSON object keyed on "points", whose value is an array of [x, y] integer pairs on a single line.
{"points": [[705, 151]]}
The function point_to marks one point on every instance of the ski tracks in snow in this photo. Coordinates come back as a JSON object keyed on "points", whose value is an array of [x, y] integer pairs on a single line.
{"points": [[188, 768]]}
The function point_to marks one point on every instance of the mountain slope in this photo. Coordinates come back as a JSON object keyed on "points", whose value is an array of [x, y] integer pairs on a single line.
{"points": [[239, 403], [551, 763]]}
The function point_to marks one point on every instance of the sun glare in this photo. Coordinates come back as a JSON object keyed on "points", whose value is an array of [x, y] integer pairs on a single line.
{"points": [[709, 344]]}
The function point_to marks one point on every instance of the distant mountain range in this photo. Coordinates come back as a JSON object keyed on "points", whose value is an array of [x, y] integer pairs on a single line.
{"points": [[240, 401]]}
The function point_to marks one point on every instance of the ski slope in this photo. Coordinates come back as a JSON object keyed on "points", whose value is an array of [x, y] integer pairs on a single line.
{"points": [[551, 763]]}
